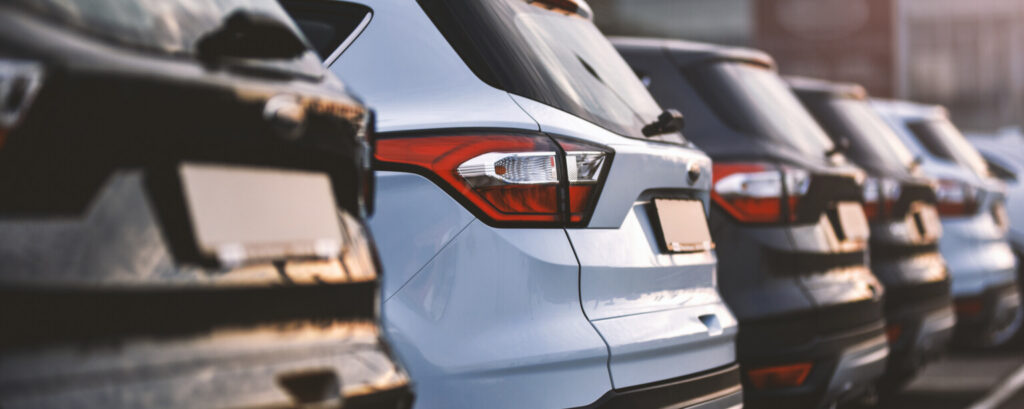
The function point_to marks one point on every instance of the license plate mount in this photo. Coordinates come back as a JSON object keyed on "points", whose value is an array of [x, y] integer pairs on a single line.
{"points": [[682, 225]]}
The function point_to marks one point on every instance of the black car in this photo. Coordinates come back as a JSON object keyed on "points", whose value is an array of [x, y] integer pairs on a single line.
{"points": [[901, 206], [181, 217], [788, 219]]}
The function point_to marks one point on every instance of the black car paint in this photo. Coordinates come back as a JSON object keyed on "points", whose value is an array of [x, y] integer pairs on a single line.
{"points": [[766, 276], [103, 138]]}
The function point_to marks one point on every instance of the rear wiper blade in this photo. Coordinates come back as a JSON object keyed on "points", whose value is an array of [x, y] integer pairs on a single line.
{"points": [[245, 34], [670, 120]]}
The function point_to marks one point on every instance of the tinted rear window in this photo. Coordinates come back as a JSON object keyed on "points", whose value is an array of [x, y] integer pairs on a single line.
{"points": [[755, 100], [327, 24], [170, 27], [558, 58], [873, 143], [941, 138]]}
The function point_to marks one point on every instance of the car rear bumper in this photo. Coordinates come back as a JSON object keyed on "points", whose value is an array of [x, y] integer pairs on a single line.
{"points": [[845, 365], [716, 389], [996, 306], [272, 366], [918, 333]]}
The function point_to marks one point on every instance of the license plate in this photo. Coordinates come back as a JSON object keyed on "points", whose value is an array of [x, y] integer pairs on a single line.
{"points": [[242, 214], [683, 225], [853, 221]]}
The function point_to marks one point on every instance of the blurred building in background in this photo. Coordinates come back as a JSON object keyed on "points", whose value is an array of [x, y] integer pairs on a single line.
{"points": [[965, 54]]}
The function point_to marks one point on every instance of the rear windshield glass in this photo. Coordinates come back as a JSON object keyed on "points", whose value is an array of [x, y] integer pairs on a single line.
{"points": [[548, 55], [327, 24], [942, 139], [171, 27], [755, 100], [872, 140]]}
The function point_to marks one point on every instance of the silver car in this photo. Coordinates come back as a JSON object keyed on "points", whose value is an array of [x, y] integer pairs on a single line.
{"points": [[974, 223], [541, 222]]}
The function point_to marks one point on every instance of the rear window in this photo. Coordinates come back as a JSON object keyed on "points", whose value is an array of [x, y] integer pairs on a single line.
{"points": [[872, 140], [548, 55], [755, 100], [327, 24], [170, 27], [941, 138]]}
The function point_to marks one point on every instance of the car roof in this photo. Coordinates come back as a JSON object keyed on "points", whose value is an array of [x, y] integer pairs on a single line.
{"points": [[690, 52], [825, 87]]}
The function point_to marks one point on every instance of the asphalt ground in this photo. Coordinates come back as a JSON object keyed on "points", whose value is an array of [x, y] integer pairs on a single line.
{"points": [[966, 380]]}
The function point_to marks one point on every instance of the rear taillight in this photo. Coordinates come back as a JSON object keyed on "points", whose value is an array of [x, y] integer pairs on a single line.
{"points": [[509, 179], [19, 83], [782, 376], [956, 198], [759, 193], [880, 196]]}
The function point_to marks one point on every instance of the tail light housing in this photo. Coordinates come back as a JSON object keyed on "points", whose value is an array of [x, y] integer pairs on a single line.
{"points": [[516, 180], [880, 197], [782, 376], [759, 192], [956, 198], [19, 82]]}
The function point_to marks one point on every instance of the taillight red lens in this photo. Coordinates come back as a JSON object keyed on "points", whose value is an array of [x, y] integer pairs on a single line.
{"points": [[880, 197], [756, 192], [509, 178], [956, 198], [782, 376]]}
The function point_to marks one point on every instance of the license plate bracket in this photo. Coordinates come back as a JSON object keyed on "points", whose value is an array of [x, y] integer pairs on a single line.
{"points": [[682, 225], [241, 214]]}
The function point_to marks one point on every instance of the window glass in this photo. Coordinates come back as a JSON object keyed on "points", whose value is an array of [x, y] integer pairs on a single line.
{"points": [[553, 56], [172, 27], [942, 139], [871, 139], [754, 100], [326, 24]]}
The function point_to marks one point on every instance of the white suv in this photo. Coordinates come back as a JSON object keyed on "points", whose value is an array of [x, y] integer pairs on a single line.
{"points": [[541, 222]]}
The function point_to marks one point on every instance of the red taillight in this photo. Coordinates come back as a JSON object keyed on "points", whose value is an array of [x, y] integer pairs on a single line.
{"points": [[969, 307], [956, 198], [782, 376], [19, 83], [880, 196], [509, 178], [756, 192], [893, 332]]}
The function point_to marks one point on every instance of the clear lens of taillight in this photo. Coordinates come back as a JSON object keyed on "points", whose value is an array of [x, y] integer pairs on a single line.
{"points": [[508, 179], [880, 196], [19, 82], [756, 192], [956, 198]]}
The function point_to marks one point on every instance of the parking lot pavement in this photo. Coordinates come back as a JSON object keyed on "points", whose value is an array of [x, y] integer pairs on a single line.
{"points": [[963, 380]]}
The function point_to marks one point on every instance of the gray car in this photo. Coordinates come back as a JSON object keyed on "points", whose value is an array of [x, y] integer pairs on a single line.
{"points": [[971, 204], [542, 223]]}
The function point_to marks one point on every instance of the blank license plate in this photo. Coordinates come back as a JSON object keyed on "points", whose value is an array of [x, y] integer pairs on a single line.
{"points": [[242, 214], [853, 221], [683, 225]]}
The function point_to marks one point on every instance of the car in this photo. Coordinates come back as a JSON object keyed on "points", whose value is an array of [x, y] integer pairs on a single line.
{"points": [[182, 214], [541, 221], [1005, 158], [787, 217], [900, 204], [972, 206]]}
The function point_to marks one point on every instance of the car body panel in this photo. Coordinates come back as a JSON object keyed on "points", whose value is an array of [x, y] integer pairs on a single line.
{"points": [[493, 316], [440, 76]]}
